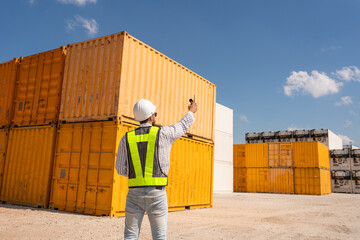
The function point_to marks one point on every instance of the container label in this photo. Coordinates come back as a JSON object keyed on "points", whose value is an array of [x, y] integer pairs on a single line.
{"points": [[62, 173], [20, 106]]}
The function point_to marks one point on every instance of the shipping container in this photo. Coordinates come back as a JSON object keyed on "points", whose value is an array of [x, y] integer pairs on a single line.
{"points": [[38, 88], [28, 166], [257, 180], [85, 179], [280, 155], [8, 74], [312, 181], [340, 174], [281, 180], [341, 186], [106, 76], [340, 163], [340, 153], [4, 136], [257, 155], [310, 155], [239, 180], [356, 185], [355, 153], [239, 155]]}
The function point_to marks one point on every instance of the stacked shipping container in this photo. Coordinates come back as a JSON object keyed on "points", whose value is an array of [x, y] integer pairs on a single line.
{"points": [[67, 110], [345, 170], [300, 167]]}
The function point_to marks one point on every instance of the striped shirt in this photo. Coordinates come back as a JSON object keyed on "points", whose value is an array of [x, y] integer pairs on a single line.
{"points": [[167, 137]]}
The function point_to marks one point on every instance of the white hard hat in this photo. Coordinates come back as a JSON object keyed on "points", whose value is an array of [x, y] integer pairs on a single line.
{"points": [[143, 109]]}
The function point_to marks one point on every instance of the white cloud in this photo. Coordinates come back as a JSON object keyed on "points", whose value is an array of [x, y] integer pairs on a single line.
{"points": [[77, 2], [90, 25], [292, 128], [353, 113], [316, 84], [244, 118], [346, 139], [31, 1], [348, 74], [348, 123], [344, 101]]}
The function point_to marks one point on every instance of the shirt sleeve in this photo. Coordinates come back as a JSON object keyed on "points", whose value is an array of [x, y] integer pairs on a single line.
{"points": [[173, 132], [121, 164]]}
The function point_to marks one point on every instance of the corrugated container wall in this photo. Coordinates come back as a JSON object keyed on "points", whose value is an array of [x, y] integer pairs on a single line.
{"points": [[310, 154], [4, 136], [313, 181], [28, 166], [257, 155], [85, 179], [240, 178], [280, 155], [281, 180], [105, 77], [239, 151], [257, 180], [8, 73], [38, 88]]}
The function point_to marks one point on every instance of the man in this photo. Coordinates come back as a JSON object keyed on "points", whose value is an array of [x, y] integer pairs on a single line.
{"points": [[144, 157]]}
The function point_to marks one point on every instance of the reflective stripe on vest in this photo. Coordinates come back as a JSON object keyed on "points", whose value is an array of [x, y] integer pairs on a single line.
{"points": [[144, 179]]}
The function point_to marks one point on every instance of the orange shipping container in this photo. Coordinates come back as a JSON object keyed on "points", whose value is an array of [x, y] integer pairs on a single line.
{"points": [[281, 180], [105, 77], [38, 90], [239, 179], [257, 155], [310, 155], [28, 166], [280, 155], [85, 179], [313, 181], [8, 73], [4, 136], [239, 151], [257, 180]]}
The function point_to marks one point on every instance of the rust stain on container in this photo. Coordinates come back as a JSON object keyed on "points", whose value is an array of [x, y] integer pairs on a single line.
{"points": [[280, 155], [28, 166], [239, 157], [8, 73], [313, 181], [105, 77], [310, 154], [257, 155], [85, 179], [38, 88], [4, 136], [281, 180]]}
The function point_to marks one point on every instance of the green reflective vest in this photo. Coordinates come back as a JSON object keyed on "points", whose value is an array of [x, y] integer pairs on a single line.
{"points": [[144, 178]]}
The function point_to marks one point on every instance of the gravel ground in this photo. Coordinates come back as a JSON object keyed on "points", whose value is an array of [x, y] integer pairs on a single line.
{"points": [[233, 216]]}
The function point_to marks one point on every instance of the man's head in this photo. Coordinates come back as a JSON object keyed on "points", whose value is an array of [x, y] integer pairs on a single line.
{"points": [[144, 111]]}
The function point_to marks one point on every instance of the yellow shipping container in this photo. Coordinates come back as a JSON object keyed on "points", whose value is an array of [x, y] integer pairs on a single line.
{"points": [[38, 88], [85, 179], [310, 155], [280, 155], [28, 166], [105, 77], [8, 73], [239, 159], [239, 179], [4, 136], [257, 155], [257, 180], [281, 180], [313, 181]]}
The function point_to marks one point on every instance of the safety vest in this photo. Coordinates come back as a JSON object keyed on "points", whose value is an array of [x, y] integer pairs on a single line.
{"points": [[143, 158]]}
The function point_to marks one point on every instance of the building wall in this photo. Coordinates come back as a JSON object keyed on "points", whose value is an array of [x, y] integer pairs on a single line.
{"points": [[223, 155]]}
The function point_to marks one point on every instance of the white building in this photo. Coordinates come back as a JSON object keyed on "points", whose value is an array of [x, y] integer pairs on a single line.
{"points": [[223, 156]]}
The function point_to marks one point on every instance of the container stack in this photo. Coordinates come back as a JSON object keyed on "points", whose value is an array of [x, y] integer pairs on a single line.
{"points": [[64, 111], [325, 136], [286, 167], [345, 170], [103, 79], [31, 112]]}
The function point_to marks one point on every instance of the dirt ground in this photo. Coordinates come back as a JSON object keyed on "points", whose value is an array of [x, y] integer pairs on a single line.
{"points": [[233, 216]]}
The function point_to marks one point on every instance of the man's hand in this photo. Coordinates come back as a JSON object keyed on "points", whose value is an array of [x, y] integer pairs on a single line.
{"points": [[193, 107]]}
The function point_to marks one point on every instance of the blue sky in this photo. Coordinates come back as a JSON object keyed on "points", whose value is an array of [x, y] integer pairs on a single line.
{"points": [[278, 64]]}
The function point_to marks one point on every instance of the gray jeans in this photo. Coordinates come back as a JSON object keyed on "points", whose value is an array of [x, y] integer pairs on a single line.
{"points": [[154, 202]]}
